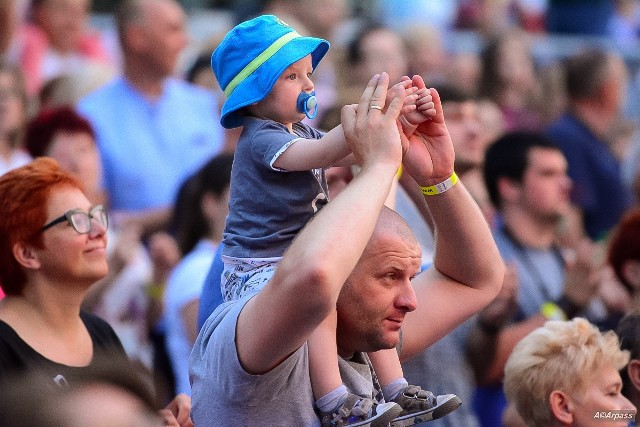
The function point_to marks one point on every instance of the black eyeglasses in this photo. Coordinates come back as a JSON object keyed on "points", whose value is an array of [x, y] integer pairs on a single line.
{"points": [[80, 220]]}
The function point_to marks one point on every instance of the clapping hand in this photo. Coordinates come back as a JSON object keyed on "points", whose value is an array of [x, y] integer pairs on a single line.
{"points": [[428, 154], [370, 127]]}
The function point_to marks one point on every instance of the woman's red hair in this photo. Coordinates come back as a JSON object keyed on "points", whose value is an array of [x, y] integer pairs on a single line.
{"points": [[44, 127], [625, 245], [25, 193]]}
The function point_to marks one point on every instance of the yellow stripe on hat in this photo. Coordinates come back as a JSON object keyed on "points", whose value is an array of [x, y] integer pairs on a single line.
{"points": [[259, 60]]}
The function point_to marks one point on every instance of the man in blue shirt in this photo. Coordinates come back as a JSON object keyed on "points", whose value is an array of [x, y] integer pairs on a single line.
{"points": [[596, 82], [153, 130]]}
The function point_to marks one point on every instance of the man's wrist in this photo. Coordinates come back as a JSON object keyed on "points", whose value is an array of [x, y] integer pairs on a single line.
{"points": [[440, 187]]}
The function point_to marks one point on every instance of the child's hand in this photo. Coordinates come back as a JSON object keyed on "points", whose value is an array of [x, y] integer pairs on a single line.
{"points": [[428, 152], [411, 96], [424, 108]]}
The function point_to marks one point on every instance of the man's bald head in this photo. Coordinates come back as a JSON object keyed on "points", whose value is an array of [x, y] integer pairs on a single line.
{"points": [[391, 223], [128, 12], [136, 12], [152, 36]]}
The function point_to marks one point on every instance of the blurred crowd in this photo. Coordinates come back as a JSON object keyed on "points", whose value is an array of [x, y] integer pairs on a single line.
{"points": [[540, 97]]}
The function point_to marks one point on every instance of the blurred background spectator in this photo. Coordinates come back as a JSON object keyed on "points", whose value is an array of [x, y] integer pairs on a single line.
{"points": [[629, 333], [596, 82], [152, 129], [527, 181], [623, 256], [56, 38], [509, 79], [198, 221], [624, 25], [14, 110], [579, 16]]}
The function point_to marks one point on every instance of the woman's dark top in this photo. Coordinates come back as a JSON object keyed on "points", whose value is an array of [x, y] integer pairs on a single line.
{"points": [[17, 357]]}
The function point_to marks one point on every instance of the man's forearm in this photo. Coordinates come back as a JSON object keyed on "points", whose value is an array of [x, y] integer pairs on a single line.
{"points": [[468, 271], [352, 213], [465, 250]]}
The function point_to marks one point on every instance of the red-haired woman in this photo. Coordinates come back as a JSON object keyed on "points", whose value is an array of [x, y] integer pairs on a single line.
{"points": [[120, 299], [52, 248]]}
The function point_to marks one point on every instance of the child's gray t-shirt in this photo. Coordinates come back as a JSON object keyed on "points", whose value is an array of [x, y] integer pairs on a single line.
{"points": [[269, 206]]}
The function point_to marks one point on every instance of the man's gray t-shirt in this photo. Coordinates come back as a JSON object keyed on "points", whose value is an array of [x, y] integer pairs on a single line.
{"points": [[223, 393], [540, 272]]}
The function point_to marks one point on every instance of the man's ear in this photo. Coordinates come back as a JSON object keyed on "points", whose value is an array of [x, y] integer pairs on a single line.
{"points": [[561, 406], [26, 255], [633, 370]]}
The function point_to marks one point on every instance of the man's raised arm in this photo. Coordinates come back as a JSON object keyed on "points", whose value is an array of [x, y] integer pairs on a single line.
{"points": [[309, 277], [468, 270]]}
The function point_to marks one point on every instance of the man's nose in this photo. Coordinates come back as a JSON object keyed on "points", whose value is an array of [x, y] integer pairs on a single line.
{"points": [[407, 298]]}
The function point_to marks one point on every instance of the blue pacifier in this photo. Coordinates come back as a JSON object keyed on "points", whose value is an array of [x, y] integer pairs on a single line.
{"points": [[308, 104]]}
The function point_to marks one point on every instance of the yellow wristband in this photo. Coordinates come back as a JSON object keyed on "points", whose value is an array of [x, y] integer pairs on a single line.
{"points": [[440, 188], [155, 291], [551, 311]]}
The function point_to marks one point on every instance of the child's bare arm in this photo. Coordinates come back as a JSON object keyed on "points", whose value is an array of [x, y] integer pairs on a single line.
{"points": [[307, 154], [413, 100], [332, 149]]}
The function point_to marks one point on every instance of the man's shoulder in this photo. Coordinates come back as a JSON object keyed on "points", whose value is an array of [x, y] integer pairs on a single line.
{"points": [[103, 97], [220, 313], [565, 129], [281, 396], [178, 88]]}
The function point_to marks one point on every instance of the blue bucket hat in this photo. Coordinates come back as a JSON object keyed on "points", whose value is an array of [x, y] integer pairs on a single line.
{"points": [[252, 56]]}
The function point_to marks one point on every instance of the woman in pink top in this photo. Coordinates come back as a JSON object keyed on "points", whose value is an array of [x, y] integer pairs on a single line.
{"points": [[57, 40]]}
